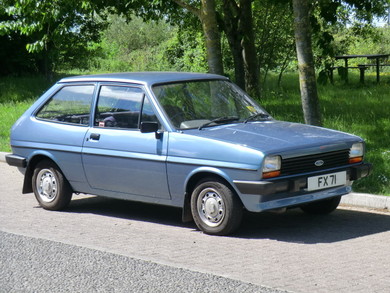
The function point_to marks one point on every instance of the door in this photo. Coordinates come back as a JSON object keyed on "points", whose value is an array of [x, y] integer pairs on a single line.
{"points": [[117, 157]]}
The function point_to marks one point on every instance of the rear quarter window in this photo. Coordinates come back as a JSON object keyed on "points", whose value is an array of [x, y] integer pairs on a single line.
{"points": [[71, 104]]}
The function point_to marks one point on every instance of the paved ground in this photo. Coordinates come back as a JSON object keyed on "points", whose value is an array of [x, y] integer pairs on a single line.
{"points": [[36, 265], [347, 251]]}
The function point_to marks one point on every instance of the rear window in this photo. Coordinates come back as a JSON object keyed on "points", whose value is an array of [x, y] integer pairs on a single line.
{"points": [[71, 104]]}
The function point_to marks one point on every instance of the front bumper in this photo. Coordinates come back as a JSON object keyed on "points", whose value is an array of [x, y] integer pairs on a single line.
{"points": [[285, 192]]}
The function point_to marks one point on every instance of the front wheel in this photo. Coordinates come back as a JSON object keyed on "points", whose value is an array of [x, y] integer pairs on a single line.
{"points": [[50, 187], [215, 207], [322, 207]]}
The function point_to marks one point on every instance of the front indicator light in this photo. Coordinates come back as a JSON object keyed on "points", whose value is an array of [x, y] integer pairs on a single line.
{"points": [[271, 174], [355, 160]]}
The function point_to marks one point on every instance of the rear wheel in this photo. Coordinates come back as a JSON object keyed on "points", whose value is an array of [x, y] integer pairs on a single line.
{"points": [[323, 207], [215, 207], [50, 187]]}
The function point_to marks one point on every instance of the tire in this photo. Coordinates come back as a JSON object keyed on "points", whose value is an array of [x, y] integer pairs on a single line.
{"points": [[215, 207], [322, 207], [50, 187]]}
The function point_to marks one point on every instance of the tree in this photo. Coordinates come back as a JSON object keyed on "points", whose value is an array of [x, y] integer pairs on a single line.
{"points": [[207, 16], [307, 77], [176, 11], [60, 29], [252, 84], [137, 45], [275, 45], [231, 16], [328, 11], [348, 18], [236, 20], [14, 59], [232, 28]]}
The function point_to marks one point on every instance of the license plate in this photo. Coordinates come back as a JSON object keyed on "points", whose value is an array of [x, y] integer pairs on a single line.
{"points": [[326, 181]]}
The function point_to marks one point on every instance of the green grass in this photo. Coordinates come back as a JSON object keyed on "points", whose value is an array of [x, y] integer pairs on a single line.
{"points": [[10, 112], [354, 108], [16, 95], [18, 89]]}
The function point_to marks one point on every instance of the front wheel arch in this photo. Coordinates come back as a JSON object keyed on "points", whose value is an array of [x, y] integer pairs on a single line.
{"points": [[216, 207], [190, 186]]}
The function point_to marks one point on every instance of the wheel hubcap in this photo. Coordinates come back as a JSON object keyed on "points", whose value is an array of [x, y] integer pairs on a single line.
{"points": [[211, 207], [47, 185]]}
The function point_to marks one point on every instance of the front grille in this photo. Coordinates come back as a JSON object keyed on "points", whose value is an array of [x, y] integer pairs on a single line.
{"points": [[305, 164]]}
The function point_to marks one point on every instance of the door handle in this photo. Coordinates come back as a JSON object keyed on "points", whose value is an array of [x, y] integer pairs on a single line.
{"points": [[94, 136]]}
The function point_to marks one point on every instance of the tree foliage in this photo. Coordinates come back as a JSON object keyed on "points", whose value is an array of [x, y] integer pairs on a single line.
{"points": [[332, 17], [56, 31], [274, 32], [137, 45], [14, 58], [246, 36]]}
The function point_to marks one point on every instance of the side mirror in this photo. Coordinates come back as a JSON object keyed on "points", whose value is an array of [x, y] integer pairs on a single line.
{"points": [[148, 127]]}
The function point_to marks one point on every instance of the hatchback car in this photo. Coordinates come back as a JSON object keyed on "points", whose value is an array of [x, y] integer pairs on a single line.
{"points": [[188, 140]]}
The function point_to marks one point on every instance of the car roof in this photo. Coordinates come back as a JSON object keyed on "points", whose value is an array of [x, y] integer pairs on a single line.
{"points": [[146, 78]]}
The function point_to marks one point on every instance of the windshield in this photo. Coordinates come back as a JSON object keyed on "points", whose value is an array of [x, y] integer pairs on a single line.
{"points": [[199, 104]]}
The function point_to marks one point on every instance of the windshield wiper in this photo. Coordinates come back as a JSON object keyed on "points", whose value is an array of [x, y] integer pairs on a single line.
{"points": [[219, 120], [263, 116]]}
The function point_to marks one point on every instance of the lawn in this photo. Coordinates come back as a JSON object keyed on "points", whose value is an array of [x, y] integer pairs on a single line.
{"points": [[16, 95], [354, 108]]}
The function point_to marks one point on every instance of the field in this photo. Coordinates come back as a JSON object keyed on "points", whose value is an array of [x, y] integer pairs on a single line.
{"points": [[358, 109]]}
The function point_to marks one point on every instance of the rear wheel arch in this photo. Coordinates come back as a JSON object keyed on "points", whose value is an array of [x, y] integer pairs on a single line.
{"points": [[52, 190], [32, 163]]}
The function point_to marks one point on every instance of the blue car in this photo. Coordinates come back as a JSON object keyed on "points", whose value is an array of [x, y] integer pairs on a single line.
{"points": [[188, 140]]}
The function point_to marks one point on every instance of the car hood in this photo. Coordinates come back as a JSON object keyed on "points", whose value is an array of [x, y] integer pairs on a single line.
{"points": [[278, 136]]}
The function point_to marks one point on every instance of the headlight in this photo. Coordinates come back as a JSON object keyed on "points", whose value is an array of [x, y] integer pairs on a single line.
{"points": [[271, 166], [356, 153]]}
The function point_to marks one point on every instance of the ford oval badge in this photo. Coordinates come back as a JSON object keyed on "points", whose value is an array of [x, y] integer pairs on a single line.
{"points": [[319, 163]]}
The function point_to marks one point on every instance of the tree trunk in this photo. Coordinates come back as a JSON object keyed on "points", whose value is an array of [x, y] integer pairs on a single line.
{"points": [[307, 77], [252, 82], [230, 27], [208, 18]]}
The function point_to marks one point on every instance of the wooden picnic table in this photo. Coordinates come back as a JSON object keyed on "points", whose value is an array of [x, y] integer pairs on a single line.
{"points": [[362, 67]]}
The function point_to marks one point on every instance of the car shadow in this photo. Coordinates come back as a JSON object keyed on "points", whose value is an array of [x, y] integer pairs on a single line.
{"points": [[291, 226], [298, 227], [129, 210]]}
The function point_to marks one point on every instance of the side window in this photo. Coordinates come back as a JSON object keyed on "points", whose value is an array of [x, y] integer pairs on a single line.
{"points": [[121, 106], [71, 104], [118, 106]]}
